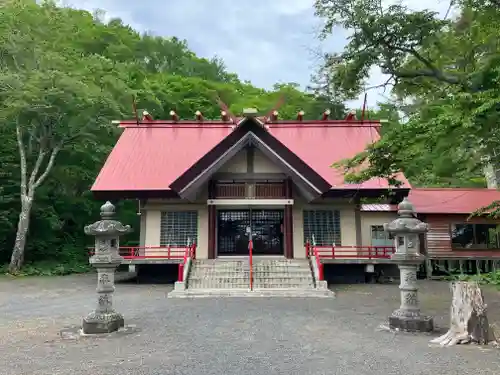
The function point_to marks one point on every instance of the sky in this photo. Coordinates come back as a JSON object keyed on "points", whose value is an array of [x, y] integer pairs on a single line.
{"points": [[263, 41]]}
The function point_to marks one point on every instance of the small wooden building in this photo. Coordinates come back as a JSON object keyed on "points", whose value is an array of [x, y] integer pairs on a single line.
{"points": [[454, 234]]}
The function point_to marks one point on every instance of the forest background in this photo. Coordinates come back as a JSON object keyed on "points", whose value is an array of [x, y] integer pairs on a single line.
{"points": [[65, 74]]}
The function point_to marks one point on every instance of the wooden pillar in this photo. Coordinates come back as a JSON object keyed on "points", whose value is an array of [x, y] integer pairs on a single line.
{"points": [[357, 222], [288, 221], [212, 222]]}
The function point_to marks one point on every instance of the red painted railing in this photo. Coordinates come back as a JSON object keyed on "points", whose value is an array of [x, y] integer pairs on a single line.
{"points": [[190, 252], [150, 252], [250, 261], [361, 252], [318, 263], [312, 250], [346, 252]]}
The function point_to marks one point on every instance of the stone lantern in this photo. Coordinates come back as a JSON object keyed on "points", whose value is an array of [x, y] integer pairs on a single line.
{"points": [[407, 230], [106, 259]]}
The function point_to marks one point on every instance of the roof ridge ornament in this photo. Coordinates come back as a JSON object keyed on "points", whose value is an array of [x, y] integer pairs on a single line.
{"points": [[250, 112], [225, 111], [174, 116], [274, 116], [351, 116], [199, 116], [146, 116]]}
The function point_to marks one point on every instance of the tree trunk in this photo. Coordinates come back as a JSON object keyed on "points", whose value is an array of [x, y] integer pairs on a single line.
{"points": [[17, 258], [492, 176], [468, 319]]}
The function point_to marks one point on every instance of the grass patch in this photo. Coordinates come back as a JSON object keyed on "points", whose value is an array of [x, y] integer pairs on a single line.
{"points": [[50, 268], [490, 278]]}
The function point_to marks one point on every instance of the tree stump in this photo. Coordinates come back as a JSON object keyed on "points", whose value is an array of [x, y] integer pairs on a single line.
{"points": [[468, 319]]}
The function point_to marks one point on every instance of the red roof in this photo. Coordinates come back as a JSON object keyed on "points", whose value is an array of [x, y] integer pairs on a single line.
{"points": [[150, 158], [152, 155], [451, 200], [320, 146], [379, 207]]}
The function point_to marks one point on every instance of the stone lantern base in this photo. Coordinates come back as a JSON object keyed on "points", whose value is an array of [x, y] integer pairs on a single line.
{"points": [[108, 322], [411, 324]]}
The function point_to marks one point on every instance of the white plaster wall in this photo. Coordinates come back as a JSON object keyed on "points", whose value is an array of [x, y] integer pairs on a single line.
{"points": [[237, 164], [299, 250], [152, 219], [143, 226], [373, 218], [262, 164]]}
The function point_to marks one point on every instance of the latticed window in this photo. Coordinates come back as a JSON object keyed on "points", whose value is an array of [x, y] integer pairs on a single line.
{"points": [[324, 225], [177, 227]]}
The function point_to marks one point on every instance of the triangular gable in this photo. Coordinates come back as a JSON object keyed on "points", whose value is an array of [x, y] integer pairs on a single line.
{"points": [[249, 131]]}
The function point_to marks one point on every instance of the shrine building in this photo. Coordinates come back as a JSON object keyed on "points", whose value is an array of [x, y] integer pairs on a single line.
{"points": [[221, 184]]}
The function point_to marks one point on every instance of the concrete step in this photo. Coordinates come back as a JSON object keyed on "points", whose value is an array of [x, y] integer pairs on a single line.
{"points": [[269, 274], [209, 267], [220, 277], [224, 282], [219, 287], [281, 265], [218, 293], [215, 287], [266, 275], [281, 287], [283, 279], [198, 273], [297, 273]]}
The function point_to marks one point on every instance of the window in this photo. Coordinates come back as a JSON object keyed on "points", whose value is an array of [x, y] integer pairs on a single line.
{"points": [[475, 236], [380, 237], [177, 227], [324, 225]]}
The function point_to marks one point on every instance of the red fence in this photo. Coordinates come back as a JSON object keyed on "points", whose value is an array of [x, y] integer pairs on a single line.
{"points": [[250, 262], [362, 252], [189, 252], [346, 252], [159, 252]]}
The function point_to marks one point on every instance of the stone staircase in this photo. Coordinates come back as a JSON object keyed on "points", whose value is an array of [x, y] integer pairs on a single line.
{"points": [[282, 274], [271, 277], [216, 274]]}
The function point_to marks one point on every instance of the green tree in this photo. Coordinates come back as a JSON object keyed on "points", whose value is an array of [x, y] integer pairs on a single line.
{"points": [[65, 74], [446, 73], [53, 102]]}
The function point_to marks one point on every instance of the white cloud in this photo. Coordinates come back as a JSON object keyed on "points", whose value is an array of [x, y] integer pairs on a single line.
{"points": [[264, 41]]}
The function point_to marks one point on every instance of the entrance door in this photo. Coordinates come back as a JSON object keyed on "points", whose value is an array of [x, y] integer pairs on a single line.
{"points": [[267, 228], [234, 226], [232, 229]]}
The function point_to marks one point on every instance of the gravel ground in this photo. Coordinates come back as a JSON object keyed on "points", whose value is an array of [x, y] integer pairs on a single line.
{"points": [[226, 336]]}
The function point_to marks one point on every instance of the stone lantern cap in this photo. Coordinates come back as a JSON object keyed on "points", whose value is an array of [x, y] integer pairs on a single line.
{"points": [[107, 227], [406, 222]]}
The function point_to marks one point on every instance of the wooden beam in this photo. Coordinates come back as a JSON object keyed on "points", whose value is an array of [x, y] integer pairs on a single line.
{"points": [[212, 224], [249, 202], [249, 176], [288, 221], [357, 222]]}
